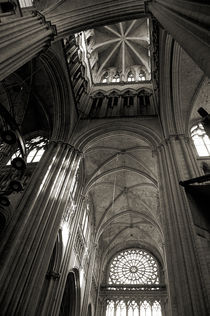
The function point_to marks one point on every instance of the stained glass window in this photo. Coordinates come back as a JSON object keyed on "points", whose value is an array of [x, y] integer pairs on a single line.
{"points": [[110, 308], [35, 148], [134, 266], [133, 308], [130, 76], [142, 76], [201, 140], [26, 3], [105, 77]]}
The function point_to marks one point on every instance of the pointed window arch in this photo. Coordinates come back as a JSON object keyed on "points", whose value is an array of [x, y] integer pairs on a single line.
{"points": [[105, 77], [142, 76], [116, 78], [130, 76], [200, 140], [35, 148], [134, 266]]}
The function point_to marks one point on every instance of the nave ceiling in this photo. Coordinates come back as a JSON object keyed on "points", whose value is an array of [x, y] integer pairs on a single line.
{"points": [[122, 189]]}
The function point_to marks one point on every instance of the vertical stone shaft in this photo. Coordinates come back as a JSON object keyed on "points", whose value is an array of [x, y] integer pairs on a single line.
{"points": [[89, 282], [21, 40], [181, 255], [188, 23], [26, 249]]}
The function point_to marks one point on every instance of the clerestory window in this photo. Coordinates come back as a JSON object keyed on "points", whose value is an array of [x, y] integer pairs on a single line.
{"points": [[35, 148], [201, 140], [26, 3], [130, 77]]}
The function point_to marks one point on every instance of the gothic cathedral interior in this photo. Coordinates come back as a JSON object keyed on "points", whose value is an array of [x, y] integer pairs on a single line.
{"points": [[104, 158]]}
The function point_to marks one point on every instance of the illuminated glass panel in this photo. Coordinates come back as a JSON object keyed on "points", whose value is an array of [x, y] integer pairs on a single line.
{"points": [[26, 3], [133, 266], [116, 78], [133, 308], [130, 76], [35, 148], [142, 76], [105, 77], [156, 309], [201, 140], [110, 308], [121, 308]]}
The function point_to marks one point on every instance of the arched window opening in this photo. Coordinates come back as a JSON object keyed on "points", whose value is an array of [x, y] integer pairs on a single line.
{"points": [[134, 284], [35, 148], [144, 103], [200, 140], [130, 76], [26, 3], [134, 266], [89, 310], [133, 308], [116, 78], [96, 105], [105, 77], [142, 76], [110, 308], [70, 304]]}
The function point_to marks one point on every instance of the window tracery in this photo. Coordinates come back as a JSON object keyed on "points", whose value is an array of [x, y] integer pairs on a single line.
{"points": [[130, 77], [142, 76], [26, 3], [116, 78], [133, 266], [35, 148], [105, 77], [133, 308], [200, 140]]}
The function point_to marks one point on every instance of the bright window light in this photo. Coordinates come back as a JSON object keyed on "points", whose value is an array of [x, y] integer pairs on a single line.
{"points": [[201, 140], [35, 148], [26, 3]]}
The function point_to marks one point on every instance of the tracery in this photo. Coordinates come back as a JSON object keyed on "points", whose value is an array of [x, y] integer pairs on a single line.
{"points": [[134, 266]]}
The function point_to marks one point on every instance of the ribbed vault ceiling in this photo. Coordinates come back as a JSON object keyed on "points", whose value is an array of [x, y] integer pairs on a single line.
{"points": [[118, 48], [121, 181]]}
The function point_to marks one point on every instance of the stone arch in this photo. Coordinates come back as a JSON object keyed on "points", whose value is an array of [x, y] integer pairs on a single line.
{"points": [[63, 114], [89, 310], [70, 305], [104, 130]]}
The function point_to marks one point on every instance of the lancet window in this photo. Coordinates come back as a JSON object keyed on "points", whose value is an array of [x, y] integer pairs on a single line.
{"points": [[116, 78], [201, 140], [142, 76], [26, 3], [105, 77], [130, 76]]}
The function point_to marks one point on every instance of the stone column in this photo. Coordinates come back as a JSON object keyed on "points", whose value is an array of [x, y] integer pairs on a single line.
{"points": [[188, 22], [21, 40], [89, 280], [185, 284], [29, 239]]}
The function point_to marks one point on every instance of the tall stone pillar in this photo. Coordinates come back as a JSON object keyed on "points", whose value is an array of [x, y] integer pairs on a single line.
{"points": [[185, 283], [188, 22], [29, 239], [21, 40], [89, 280]]}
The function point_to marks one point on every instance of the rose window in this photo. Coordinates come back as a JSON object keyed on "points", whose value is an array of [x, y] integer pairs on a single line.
{"points": [[134, 266]]}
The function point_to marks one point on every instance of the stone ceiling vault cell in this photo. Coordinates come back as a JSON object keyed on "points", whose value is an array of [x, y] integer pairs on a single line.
{"points": [[118, 49], [121, 178]]}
